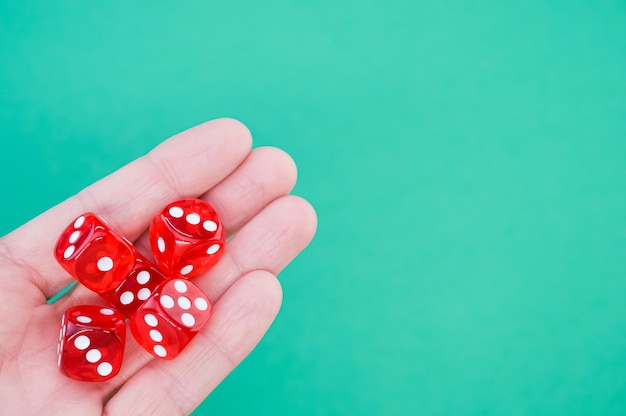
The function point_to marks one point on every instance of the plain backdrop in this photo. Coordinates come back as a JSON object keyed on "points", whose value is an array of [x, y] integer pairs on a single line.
{"points": [[467, 161]]}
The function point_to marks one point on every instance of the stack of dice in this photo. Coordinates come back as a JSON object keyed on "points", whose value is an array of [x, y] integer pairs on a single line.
{"points": [[164, 309]]}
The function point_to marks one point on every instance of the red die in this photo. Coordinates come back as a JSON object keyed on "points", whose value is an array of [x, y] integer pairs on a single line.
{"points": [[91, 343], [93, 254], [170, 318], [187, 238], [136, 288]]}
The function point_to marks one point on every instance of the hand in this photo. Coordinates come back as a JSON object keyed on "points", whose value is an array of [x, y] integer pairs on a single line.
{"points": [[249, 190]]}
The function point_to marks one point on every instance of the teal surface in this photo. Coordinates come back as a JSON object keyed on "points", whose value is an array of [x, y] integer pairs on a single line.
{"points": [[467, 161]]}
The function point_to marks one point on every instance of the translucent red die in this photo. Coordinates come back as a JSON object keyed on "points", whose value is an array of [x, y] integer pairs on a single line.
{"points": [[187, 238], [142, 280], [166, 322], [95, 255], [91, 343]]}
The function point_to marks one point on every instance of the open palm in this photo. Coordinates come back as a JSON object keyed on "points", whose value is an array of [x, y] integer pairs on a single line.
{"points": [[249, 190]]}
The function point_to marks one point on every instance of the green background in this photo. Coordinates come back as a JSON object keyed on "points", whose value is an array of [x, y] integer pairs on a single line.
{"points": [[467, 161]]}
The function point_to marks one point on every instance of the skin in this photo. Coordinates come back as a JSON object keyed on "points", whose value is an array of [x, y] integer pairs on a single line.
{"points": [[250, 191]]}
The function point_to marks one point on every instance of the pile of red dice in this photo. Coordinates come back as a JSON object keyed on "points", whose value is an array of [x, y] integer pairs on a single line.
{"points": [[164, 309]]}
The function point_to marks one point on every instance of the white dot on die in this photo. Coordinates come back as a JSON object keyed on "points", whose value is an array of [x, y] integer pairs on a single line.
{"points": [[105, 264], [193, 218], [82, 342], [126, 298], [188, 319], [105, 311], [186, 270], [104, 369], [68, 252], [159, 350], [143, 277], [156, 335], [83, 319], [143, 293], [176, 212], [150, 320], [209, 226], [79, 222], [167, 302], [201, 304], [180, 286], [213, 249], [93, 356], [74, 237], [161, 244], [184, 303]]}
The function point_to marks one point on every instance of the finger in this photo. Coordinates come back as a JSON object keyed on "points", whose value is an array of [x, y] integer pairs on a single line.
{"points": [[267, 174], [240, 319], [270, 241], [186, 165]]}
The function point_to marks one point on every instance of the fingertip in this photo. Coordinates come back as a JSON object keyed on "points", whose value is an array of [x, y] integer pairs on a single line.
{"points": [[281, 163], [306, 215], [235, 131], [257, 292], [268, 288]]}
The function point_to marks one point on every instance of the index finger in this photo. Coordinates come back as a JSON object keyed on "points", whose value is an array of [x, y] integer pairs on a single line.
{"points": [[186, 165]]}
